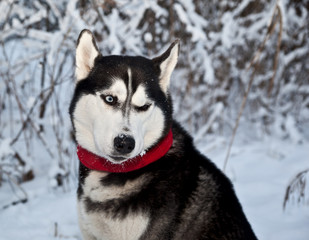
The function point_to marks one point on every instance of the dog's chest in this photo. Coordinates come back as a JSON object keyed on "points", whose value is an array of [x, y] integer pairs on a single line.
{"points": [[100, 223]]}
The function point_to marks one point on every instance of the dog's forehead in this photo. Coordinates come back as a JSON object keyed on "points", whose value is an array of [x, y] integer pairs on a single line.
{"points": [[123, 75], [142, 69]]}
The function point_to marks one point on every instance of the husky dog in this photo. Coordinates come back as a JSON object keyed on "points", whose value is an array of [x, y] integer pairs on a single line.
{"points": [[140, 176]]}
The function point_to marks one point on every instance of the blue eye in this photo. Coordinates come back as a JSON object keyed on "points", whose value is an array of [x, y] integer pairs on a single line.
{"points": [[109, 99]]}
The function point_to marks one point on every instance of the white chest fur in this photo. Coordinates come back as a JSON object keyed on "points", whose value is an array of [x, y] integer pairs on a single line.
{"points": [[99, 225]]}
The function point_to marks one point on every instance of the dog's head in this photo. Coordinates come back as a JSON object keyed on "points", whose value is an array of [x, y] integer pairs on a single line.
{"points": [[121, 105]]}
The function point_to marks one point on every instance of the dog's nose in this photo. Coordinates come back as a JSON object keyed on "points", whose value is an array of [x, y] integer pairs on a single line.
{"points": [[124, 144]]}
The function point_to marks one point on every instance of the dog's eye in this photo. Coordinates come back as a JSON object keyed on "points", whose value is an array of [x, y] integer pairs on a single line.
{"points": [[110, 100], [143, 108]]}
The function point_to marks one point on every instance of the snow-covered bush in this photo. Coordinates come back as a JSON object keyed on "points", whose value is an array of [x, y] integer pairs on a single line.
{"points": [[37, 41], [226, 47]]}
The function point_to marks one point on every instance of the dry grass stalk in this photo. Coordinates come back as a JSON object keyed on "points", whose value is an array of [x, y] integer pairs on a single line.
{"points": [[298, 184], [275, 67], [254, 63]]}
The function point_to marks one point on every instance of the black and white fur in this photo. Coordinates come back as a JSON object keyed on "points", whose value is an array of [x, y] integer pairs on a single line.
{"points": [[182, 195]]}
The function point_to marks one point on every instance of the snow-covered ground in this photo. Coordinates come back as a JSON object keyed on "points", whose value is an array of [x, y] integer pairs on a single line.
{"points": [[260, 171]]}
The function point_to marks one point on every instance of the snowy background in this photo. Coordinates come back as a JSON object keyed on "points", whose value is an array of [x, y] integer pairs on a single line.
{"points": [[242, 80]]}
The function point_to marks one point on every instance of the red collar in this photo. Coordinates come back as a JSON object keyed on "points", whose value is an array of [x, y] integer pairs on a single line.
{"points": [[94, 162]]}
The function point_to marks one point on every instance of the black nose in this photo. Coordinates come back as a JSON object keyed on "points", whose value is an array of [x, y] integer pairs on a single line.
{"points": [[124, 144]]}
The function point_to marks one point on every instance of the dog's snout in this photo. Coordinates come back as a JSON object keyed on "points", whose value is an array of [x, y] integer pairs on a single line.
{"points": [[124, 144]]}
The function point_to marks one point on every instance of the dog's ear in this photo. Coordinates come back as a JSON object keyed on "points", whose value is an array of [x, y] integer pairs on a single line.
{"points": [[86, 52], [166, 63]]}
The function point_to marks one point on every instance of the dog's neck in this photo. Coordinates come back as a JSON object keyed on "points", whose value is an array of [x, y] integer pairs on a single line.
{"points": [[94, 162]]}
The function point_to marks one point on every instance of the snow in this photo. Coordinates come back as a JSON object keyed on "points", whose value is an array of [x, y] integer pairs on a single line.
{"points": [[48, 214], [259, 170], [193, 22], [5, 148], [217, 45], [148, 37], [142, 153], [218, 110]]}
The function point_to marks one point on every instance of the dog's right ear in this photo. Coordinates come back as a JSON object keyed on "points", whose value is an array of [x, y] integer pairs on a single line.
{"points": [[86, 53]]}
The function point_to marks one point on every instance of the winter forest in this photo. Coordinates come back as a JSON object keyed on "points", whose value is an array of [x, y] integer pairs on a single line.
{"points": [[241, 88]]}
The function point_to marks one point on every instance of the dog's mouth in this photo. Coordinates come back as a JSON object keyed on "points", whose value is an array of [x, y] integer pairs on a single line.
{"points": [[121, 159], [117, 159]]}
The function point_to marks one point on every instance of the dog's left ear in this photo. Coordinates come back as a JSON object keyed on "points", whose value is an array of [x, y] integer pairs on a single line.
{"points": [[167, 62], [86, 53]]}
